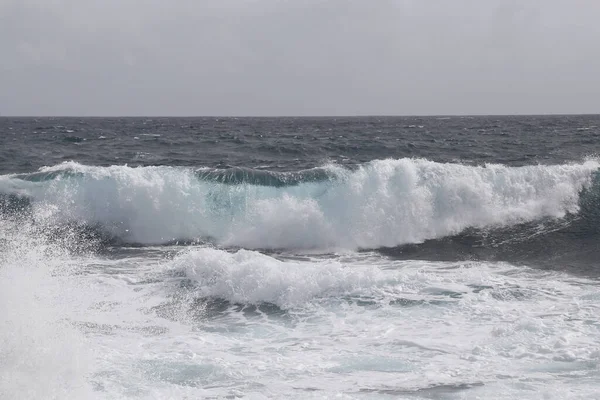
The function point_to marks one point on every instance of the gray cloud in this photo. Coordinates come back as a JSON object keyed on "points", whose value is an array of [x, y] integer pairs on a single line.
{"points": [[311, 57]]}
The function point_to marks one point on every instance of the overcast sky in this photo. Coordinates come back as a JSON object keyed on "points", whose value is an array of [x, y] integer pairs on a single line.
{"points": [[299, 57]]}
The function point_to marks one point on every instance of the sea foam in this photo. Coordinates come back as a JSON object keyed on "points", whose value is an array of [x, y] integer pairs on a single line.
{"points": [[380, 203]]}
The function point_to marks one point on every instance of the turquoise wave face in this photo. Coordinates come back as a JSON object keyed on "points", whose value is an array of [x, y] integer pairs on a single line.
{"points": [[249, 176], [230, 176]]}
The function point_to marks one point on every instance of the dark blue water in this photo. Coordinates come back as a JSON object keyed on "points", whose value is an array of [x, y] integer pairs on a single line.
{"points": [[290, 144]]}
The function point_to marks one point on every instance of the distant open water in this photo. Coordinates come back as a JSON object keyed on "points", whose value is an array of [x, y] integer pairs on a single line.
{"points": [[372, 257]]}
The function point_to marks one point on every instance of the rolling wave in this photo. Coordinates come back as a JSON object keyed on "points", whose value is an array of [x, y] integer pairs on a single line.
{"points": [[383, 203], [249, 277]]}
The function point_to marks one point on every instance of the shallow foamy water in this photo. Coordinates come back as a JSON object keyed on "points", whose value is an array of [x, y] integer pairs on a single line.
{"points": [[203, 322]]}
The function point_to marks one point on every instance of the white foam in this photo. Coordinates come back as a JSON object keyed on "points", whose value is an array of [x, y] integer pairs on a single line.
{"points": [[431, 324], [353, 326], [382, 203], [41, 355], [249, 277]]}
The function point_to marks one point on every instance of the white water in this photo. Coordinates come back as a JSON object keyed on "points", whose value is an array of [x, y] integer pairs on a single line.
{"points": [[200, 322], [342, 326], [382, 203], [41, 354]]}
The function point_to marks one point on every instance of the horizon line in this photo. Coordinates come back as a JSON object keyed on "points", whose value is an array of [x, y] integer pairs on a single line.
{"points": [[309, 116]]}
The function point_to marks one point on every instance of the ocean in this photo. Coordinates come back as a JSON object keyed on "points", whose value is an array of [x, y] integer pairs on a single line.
{"points": [[300, 258]]}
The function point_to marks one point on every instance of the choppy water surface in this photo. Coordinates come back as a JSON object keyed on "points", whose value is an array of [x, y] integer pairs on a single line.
{"points": [[441, 258]]}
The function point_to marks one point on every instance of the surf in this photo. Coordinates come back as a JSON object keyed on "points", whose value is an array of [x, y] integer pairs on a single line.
{"points": [[382, 203]]}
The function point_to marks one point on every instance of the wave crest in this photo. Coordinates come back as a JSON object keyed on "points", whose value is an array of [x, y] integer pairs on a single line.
{"points": [[249, 277], [382, 203]]}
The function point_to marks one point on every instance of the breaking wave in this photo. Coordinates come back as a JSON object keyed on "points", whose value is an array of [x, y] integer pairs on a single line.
{"points": [[382, 203], [249, 277]]}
